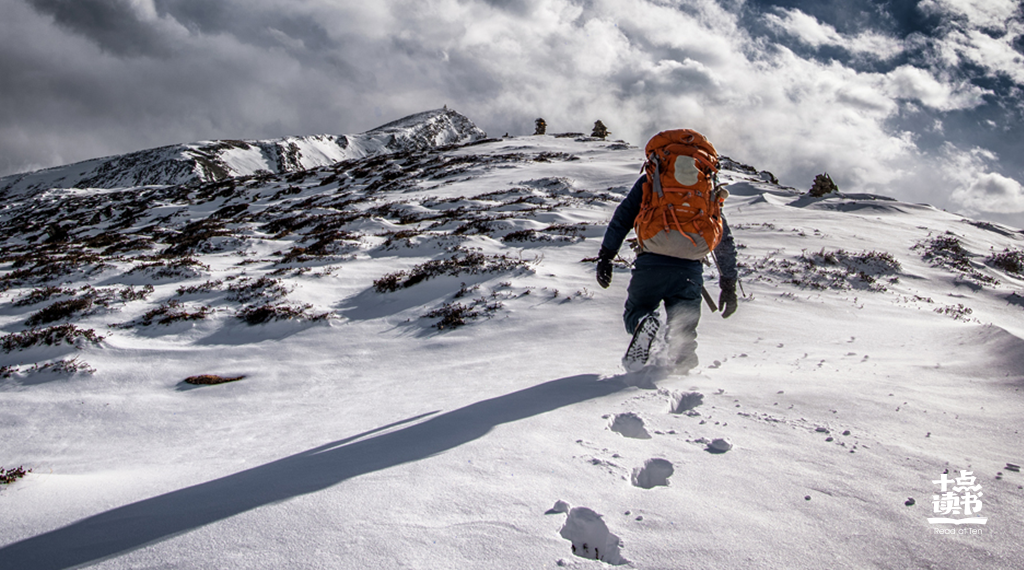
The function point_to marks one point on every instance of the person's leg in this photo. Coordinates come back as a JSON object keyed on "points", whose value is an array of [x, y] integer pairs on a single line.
{"points": [[683, 307], [644, 295], [683, 317]]}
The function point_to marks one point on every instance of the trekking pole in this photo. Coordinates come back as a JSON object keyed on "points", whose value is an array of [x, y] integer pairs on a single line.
{"points": [[707, 297]]}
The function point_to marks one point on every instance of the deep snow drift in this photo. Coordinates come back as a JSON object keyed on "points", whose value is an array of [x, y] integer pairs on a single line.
{"points": [[430, 376]]}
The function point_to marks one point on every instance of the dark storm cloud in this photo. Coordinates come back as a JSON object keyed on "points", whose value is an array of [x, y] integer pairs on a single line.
{"points": [[1018, 44], [916, 99], [117, 26], [68, 95], [249, 22]]}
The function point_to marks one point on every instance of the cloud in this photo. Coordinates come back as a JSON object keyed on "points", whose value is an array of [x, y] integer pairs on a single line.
{"points": [[1001, 194], [984, 33], [816, 34], [914, 83], [979, 190], [980, 13], [991, 193], [122, 27], [91, 77]]}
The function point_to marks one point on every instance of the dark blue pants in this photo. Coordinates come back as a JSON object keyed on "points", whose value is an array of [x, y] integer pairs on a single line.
{"points": [[677, 282]]}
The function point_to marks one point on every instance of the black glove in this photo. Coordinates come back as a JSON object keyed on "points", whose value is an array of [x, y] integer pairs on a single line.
{"points": [[604, 267], [727, 298]]}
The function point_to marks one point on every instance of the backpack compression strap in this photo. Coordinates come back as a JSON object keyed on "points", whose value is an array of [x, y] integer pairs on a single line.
{"points": [[656, 182]]}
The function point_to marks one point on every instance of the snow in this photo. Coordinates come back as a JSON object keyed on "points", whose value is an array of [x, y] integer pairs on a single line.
{"points": [[207, 161], [243, 162], [372, 439]]}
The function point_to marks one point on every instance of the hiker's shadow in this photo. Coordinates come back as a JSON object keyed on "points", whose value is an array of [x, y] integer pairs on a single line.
{"points": [[133, 526]]}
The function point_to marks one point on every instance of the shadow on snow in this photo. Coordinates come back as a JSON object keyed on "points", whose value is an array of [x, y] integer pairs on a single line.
{"points": [[130, 527]]}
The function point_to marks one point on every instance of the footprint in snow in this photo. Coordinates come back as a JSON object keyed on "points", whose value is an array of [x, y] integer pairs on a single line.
{"points": [[630, 425], [589, 534], [682, 402], [719, 445], [654, 473]]}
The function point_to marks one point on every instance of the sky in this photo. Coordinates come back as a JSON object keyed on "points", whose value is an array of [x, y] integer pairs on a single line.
{"points": [[919, 100]]}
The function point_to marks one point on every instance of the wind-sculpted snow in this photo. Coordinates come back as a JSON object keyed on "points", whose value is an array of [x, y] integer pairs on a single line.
{"points": [[272, 229], [312, 222]]}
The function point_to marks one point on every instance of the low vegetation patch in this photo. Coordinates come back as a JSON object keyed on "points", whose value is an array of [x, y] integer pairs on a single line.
{"points": [[207, 287], [563, 232], [8, 476], [62, 310], [173, 311], [196, 236], [88, 300], [50, 336], [41, 294], [834, 269], [264, 289], [173, 268], [454, 315], [259, 314], [867, 266], [1010, 261], [465, 290], [525, 236], [958, 312], [68, 366], [948, 252], [472, 263], [130, 293], [48, 263]]}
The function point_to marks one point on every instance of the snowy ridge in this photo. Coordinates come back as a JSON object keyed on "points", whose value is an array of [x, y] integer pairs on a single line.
{"points": [[210, 161], [424, 374]]}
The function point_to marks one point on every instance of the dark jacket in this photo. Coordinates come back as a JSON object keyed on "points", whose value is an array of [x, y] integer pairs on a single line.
{"points": [[622, 223]]}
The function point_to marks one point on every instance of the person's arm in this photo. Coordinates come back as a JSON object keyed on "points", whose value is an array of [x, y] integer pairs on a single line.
{"points": [[622, 220], [725, 253], [618, 228], [725, 256]]}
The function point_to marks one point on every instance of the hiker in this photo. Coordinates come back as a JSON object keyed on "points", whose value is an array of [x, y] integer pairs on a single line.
{"points": [[681, 169]]}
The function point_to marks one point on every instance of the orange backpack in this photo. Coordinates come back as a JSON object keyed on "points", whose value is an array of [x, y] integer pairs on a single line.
{"points": [[681, 211]]}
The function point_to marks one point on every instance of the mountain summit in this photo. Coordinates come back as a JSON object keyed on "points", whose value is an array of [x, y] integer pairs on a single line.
{"points": [[210, 161]]}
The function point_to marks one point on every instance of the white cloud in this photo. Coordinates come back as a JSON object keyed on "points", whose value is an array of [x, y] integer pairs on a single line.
{"points": [[991, 193], [805, 27], [816, 34], [997, 55], [976, 188], [967, 40], [908, 82], [981, 13]]}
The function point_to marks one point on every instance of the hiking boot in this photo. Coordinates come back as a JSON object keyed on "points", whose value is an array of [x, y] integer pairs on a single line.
{"points": [[640, 347]]}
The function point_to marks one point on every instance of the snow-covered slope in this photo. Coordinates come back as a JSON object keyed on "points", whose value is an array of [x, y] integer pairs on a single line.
{"points": [[210, 161], [431, 379]]}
